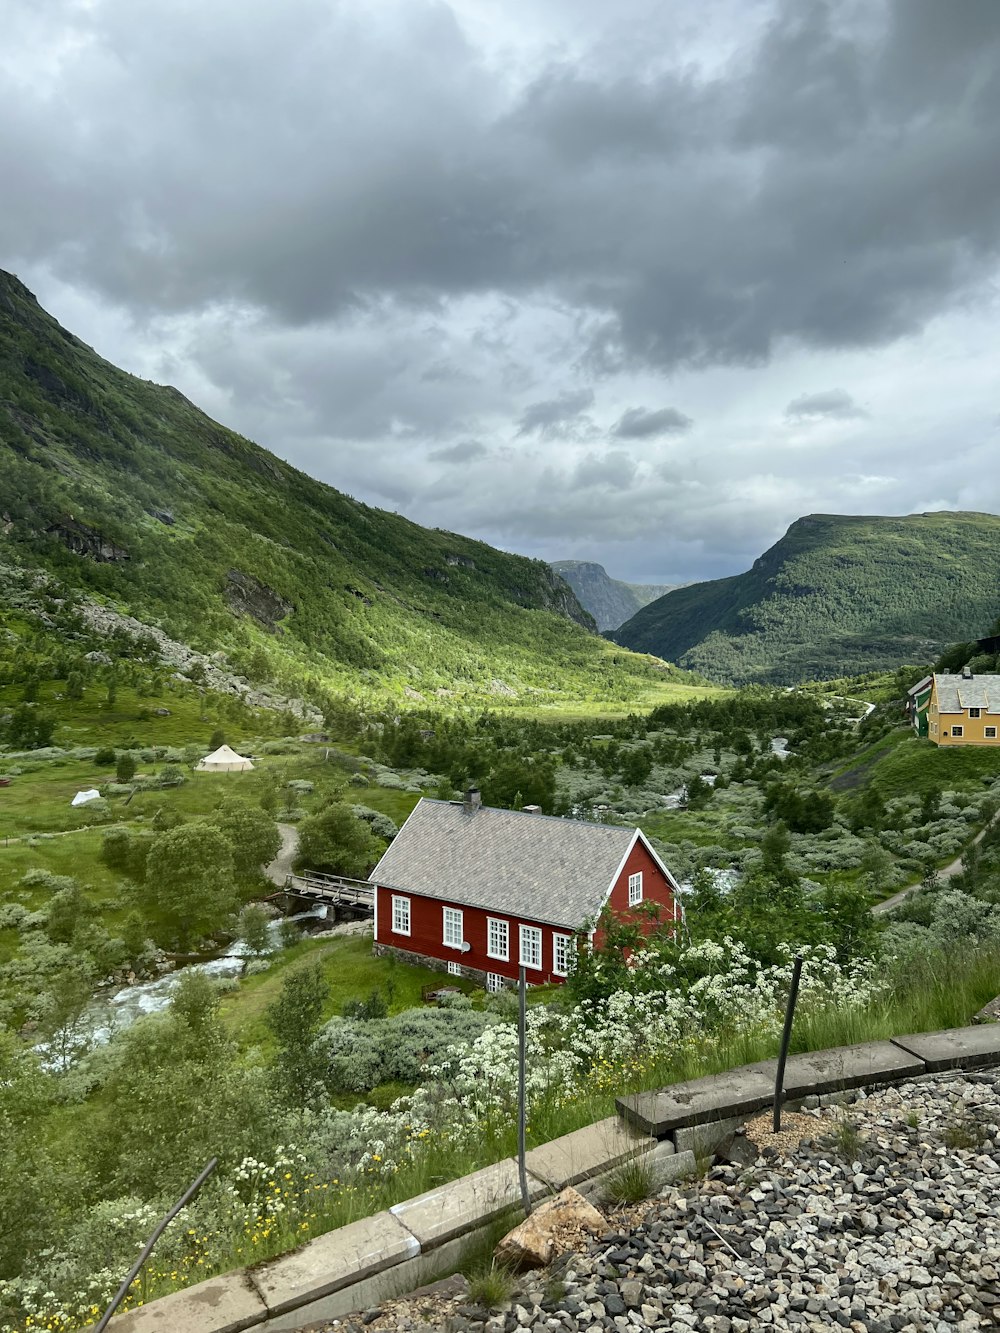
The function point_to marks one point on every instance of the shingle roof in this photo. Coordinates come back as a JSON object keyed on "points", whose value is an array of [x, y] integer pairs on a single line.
{"points": [[956, 693], [557, 871]]}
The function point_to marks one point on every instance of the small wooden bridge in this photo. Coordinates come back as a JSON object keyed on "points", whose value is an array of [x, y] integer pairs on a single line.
{"points": [[318, 888]]}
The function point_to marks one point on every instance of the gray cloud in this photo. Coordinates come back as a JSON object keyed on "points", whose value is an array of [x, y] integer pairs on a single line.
{"points": [[614, 470], [836, 404], [638, 423], [555, 412], [438, 227], [801, 192], [463, 452]]}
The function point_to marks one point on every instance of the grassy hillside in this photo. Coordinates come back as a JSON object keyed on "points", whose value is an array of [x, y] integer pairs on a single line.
{"points": [[123, 490], [610, 601], [836, 596]]}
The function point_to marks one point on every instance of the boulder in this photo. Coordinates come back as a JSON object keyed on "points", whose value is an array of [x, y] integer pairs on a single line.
{"points": [[557, 1224]]}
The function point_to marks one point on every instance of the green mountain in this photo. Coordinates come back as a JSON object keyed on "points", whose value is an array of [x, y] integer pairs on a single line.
{"points": [[836, 596], [126, 493], [610, 601]]}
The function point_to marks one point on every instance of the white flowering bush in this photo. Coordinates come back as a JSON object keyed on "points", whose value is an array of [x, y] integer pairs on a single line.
{"points": [[609, 1043]]}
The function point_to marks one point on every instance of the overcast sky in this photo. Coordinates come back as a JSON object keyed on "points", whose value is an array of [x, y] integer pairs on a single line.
{"points": [[639, 282]]}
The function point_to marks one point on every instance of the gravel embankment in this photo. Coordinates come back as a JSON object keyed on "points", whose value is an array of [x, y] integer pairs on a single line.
{"points": [[885, 1220]]}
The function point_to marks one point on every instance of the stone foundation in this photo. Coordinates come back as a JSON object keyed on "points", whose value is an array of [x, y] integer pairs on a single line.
{"points": [[474, 974]]}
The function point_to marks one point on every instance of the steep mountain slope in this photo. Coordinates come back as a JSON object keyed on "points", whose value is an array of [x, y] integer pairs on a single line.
{"points": [[125, 491], [837, 595], [610, 601]]}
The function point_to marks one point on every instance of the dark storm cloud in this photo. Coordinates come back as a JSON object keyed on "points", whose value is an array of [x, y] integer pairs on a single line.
{"points": [[836, 404], [555, 412], [834, 183], [640, 424]]}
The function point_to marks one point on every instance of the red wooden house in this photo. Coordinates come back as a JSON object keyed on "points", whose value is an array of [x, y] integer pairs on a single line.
{"points": [[478, 891]]}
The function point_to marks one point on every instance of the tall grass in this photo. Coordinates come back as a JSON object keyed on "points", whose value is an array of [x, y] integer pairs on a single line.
{"points": [[932, 993]]}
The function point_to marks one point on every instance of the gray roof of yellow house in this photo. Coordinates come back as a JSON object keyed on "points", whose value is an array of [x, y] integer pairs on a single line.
{"points": [[957, 693], [532, 866]]}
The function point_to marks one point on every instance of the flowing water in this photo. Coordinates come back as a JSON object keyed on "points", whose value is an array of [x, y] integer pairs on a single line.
{"points": [[109, 1015]]}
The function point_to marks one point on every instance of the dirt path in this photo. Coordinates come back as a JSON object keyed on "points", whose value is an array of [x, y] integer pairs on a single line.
{"points": [[281, 867], [945, 873]]}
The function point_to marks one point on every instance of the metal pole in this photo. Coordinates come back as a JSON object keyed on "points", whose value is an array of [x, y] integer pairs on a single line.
{"points": [[786, 1036], [522, 1104], [122, 1291]]}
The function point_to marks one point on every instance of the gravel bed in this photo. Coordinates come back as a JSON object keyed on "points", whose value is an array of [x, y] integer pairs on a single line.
{"points": [[885, 1220]]}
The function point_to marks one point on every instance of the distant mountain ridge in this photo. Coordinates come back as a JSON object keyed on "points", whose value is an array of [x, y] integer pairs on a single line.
{"points": [[125, 492], [610, 601], [837, 595]]}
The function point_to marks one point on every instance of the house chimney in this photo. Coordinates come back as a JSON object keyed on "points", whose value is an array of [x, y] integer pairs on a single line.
{"points": [[966, 673], [531, 809], [473, 800]]}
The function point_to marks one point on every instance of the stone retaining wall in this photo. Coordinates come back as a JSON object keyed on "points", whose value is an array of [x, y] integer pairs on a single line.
{"points": [[409, 957], [393, 1252]]}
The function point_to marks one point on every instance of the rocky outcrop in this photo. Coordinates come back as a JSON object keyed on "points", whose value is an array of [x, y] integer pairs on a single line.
{"points": [[182, 659], [558, 596], [247, 596], [86, 541]]}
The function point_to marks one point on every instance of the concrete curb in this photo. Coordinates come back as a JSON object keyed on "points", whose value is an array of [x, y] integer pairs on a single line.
{"points": [[394, 1252]]}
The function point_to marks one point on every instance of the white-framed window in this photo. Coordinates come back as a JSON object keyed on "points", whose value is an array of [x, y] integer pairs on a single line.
{"points": [[453, 933], [562, 946], [400, 915], [958, 731], [531, 946], [990, 733], [975, 712], [455, 969], [494, 982], [497, 938], [635, 888]]}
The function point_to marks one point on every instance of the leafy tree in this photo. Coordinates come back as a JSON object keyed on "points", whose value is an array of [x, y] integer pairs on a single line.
{"points": [[125, 767], [178, 1095], [68, 910], [636, 767], [28, 1187], [337, 842], [847, 920], [698, 793], [126, 852], [252, 833], [254, 922], [869, 812], [295, 1018], [188, 891], [876, 869], [74, 685], [61, 1013], [533, 782], [217, 738], [28, 729]]}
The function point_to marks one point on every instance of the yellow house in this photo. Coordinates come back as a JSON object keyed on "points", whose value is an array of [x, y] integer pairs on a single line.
{"points": [[964, 710]]}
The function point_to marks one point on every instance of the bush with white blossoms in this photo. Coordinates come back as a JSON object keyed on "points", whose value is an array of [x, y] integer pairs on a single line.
{"points": [[602, 1043]]}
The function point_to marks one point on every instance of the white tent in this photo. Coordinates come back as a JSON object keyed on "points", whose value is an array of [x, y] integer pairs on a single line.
{"points": [[224, 760], [82, 797]]}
